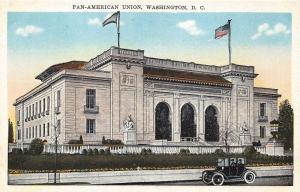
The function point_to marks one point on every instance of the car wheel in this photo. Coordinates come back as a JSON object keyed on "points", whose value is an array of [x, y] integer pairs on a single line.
{"points": [[249, 177], [217, 179], [205, 178]]}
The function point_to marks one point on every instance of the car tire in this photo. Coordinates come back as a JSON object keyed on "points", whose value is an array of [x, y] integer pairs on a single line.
{"points": [[205, 179], [249, 177], [217, 179]]}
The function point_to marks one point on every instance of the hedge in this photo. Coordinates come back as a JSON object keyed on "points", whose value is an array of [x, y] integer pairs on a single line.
{"points": [[149, 161]]}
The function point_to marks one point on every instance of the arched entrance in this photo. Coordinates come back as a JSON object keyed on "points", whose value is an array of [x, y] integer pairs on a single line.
{"points": [[211, 124], [188, 126], [163, 126]]}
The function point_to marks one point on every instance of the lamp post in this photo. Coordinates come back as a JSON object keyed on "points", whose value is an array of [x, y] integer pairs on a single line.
{"points": [[274, 128], [274, 132]]}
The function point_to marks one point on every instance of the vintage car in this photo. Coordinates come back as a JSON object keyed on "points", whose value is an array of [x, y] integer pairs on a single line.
{"points": [[229, 169]]}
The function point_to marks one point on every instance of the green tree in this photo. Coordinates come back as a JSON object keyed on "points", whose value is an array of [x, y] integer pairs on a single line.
{"points": [[286, 124], [10, 132], [36, 146]]}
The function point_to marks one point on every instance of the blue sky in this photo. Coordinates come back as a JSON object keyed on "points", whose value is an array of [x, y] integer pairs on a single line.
{"points": [[39, 40], [143, 30]]}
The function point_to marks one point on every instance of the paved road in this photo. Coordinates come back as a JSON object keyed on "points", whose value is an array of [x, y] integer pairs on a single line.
{"points": [[262, 181]]}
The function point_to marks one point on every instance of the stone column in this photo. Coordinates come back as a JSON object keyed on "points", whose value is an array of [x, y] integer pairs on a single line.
{"points": [[176, 118], [201, 127]]}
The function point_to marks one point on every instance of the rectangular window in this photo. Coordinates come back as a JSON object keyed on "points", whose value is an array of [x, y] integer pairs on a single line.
{"points": [[58, 126], [36, 134], [26, 112], [48, 129], [29, 110], [44, 130], [19, 134], [32, 109], [40, 106], [33, 132], [27, 133], [262, 131], [58, 98], [48, 103], [90, 98], [262, 109], [19, 115], [40, 131], [44, 105], [90, 126]]}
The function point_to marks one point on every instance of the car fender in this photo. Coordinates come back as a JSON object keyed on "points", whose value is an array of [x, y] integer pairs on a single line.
{"points": [[225, 176]]}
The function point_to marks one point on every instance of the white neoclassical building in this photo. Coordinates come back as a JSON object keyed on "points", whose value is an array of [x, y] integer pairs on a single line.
{"points": [[123, 94]]}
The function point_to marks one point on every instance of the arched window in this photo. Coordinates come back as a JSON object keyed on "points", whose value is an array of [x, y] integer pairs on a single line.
{"points": [[211, 124], [163, 126], [188, 126]]}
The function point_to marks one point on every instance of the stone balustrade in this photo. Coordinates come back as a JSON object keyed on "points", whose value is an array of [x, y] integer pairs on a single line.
{"points": [[136, 149]]}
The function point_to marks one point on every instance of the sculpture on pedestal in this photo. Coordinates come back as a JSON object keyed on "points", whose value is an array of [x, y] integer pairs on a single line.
{"points": [[128, 124]]}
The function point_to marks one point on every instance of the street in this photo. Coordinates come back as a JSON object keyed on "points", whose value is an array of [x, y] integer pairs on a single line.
{"points": [[260, 181]]}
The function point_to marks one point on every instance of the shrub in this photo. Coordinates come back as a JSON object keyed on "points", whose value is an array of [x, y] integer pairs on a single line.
{"points": [[84, 152], [149, 152], [184, 151], [25, 151], [95, 152], [36, 146], [146, 151], [107, 151], [250, 151], [74, 141], [219, 152], [101, 152], [90, 152], [17, 151], [111, 141]]}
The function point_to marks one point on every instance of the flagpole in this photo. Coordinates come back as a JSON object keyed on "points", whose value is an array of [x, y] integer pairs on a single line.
{"points": [[118, 26], [229, 41]]}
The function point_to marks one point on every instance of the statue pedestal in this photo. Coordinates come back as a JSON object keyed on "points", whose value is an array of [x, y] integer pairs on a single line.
{"points": [[130, 137], [245, 138], [274, 147]]}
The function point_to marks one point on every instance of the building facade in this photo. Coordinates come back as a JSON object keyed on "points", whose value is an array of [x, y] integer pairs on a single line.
{"points": [[123, 94]]}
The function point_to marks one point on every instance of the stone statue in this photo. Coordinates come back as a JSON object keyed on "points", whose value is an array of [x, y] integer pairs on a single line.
{"points": [[245, 128], [128, 123]]}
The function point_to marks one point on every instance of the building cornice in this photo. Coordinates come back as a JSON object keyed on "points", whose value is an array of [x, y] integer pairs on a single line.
{"points": [[188, 82], [267, 95], [61, 75]]}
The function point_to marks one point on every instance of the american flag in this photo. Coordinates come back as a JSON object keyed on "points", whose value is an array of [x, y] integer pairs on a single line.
{"points": [[222, 31]]}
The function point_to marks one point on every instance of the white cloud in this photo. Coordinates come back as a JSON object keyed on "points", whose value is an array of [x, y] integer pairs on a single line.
{"points": [[28, 29], [264, 29], [190, 26], [94, 21], [255, 36]]}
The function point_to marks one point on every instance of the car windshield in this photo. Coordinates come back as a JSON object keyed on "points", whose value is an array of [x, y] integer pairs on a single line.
{"points": [[241, 161], [220, 162]]}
